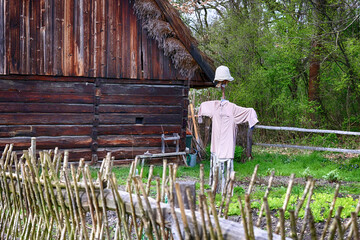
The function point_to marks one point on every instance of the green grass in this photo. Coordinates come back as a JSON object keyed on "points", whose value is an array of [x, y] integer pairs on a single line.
{"points": [[314, 164], [334, 167]]}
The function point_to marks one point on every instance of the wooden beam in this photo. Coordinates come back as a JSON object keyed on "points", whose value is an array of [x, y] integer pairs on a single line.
{"points": [[309, 148]]}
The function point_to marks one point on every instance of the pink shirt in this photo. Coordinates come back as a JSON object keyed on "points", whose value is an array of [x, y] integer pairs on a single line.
{"points": [[225, 117]]}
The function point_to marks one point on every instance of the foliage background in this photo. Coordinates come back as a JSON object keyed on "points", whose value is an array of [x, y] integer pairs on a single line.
{"points": [[270, 46]]}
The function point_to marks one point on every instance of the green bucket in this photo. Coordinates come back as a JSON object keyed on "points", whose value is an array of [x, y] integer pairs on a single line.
{"points": [[188, 141]]}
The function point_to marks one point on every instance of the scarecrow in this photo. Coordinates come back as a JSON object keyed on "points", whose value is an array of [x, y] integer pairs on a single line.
{"points": [[225, 118]]}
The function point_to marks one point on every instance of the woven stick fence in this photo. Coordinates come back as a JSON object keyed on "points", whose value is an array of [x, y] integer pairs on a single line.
{"points": [[46, 198]]}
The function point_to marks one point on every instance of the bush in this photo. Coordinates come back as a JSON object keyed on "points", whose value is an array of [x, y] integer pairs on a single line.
{"points": [[306, 173], [237, 155], [332, 176], [239, 151]]}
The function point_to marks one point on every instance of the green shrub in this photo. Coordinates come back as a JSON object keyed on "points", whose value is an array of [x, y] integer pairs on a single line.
{"points": [[237, 154], [332, 176], [238, 191], [306, 173]]}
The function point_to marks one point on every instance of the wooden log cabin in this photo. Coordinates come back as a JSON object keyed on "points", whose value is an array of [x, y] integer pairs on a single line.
{"points": [[96, 76]]}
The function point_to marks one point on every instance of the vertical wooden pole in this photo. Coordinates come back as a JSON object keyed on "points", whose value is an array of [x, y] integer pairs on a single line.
{"points": [[249, 142], [293, 224], [252, 179], [33, 148], [163, 180], [194, 122]]}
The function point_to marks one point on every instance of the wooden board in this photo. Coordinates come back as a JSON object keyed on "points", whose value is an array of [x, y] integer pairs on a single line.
{"points": [[144, 109], [14, 36], [137, 129], [141, 100], [15, 107], [46, 87], [141, 89], [43, 98], [7, 131], [44, 118], [48, 142], [131, 141], [128, 152], [147, 119]]}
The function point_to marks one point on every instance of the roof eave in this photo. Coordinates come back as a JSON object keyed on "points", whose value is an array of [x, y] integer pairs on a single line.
{"points": [[184, 35]]}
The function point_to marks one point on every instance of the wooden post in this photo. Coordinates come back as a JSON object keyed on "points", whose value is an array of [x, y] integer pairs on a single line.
{"points": [[194, 122], [33, 148], [249, 143]]}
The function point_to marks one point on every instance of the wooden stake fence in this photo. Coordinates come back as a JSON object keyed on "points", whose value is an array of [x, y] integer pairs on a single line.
{"points": [[44, 198]]}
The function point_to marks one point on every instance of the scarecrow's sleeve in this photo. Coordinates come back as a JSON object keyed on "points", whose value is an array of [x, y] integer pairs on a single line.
{"points": [[242, 115], [206, 109]]}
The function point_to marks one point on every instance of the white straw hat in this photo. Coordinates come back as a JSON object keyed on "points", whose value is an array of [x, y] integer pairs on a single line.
{"points": [[222, 73]]}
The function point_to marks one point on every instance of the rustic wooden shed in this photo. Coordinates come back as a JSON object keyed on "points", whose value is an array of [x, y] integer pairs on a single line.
{"points": [[96, 76]]}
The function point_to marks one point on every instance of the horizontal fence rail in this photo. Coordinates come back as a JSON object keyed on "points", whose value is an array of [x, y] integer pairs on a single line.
{"points": [[307, 130], [354, 151]]}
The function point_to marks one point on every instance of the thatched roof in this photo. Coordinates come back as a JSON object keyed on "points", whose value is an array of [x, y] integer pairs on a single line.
{"points": [[163, 23]]}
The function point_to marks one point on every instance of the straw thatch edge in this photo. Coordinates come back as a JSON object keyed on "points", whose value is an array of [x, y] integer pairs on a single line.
{"points": [[159, 29]]}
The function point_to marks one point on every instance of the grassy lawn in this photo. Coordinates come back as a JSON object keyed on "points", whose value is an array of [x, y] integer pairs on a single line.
{"points": [[327, 168], [316, 164]]}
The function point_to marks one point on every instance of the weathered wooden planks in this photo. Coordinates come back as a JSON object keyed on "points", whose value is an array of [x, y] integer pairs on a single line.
{"points": [[14, 36], [63, 142], [60, 113], [44, 118], [86, 68], [88, 38], [46, 87], [8, 131], [3, 60], [15, 107], [131, 141], [107, 115], [40, 97], [141, 89], [137, 129], [142, 109], [141, 100], [146, 119]]}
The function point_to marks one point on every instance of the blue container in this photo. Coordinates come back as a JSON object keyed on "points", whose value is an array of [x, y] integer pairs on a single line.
{"points": [[191, 159]]}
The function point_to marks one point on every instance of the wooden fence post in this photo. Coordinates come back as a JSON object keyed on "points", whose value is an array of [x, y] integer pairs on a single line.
{"points": [[249, 137]]}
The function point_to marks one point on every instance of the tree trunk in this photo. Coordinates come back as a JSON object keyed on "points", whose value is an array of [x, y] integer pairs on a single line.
{"points": [[314, 69], [314, 72]]}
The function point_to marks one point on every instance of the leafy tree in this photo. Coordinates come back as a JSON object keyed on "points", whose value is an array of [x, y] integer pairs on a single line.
{"points": [[295, 62]]}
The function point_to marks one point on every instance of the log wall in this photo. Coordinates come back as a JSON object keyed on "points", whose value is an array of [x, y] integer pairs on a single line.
{"points": [[131, 118], [90, 116]]}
